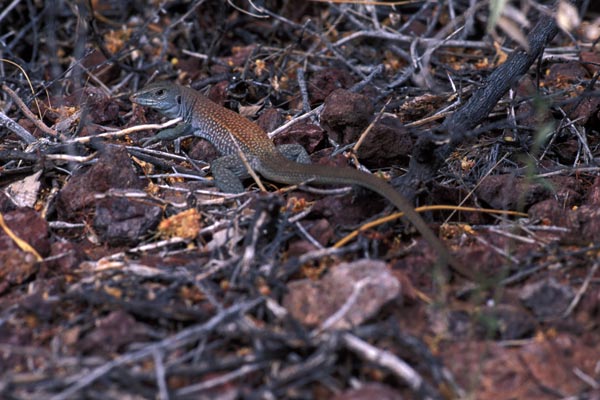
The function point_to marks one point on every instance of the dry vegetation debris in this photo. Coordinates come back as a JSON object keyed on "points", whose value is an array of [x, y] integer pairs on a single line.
{"points": [[125, 274]]}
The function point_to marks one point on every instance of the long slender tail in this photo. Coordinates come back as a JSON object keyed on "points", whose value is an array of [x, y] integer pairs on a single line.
{"points": [[286, 171]]}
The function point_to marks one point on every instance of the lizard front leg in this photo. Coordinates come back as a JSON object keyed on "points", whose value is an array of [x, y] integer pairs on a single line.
{"points": [[169, 134]]}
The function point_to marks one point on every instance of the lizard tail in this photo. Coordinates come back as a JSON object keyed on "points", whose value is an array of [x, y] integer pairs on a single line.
{"points": [[286, 171]]}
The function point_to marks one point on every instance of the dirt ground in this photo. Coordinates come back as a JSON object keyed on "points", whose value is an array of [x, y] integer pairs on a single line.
{"points": [[126, 274]]}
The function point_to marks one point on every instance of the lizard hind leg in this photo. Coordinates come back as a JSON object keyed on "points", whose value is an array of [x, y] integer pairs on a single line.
{"points": [[228, 172], [294, 152]]}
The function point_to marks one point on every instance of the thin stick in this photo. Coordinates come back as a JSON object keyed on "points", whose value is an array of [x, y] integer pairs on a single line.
{"points": [[17, 129], [36, 121], [390, 361], [180, 339], [582, 290], [363, 135], [122, 132]]}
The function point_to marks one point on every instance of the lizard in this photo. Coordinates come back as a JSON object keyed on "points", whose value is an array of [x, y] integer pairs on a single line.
{"points": [[231, 133]]}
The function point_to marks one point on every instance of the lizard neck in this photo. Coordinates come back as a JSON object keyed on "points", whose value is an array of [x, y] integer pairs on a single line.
{"points": [[184, 104]]}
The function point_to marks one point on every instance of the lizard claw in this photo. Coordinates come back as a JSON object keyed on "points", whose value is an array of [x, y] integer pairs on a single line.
{"points": [[149, 140]]}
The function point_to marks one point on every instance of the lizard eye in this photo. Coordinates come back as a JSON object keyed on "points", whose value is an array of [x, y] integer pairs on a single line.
{"points": [[178, 99], [160, 92]]}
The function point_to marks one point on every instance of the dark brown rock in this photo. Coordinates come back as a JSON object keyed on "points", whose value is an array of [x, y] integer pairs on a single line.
{"points": [[593, 194], [15, 268], [589, 225], [550, 212], [346, 115], [320, 230], [28, 226], [270, 120], [507, 192], [305, 133], [546, 298], [566, 73], [591, 61], [66, 258], [121, 220], [203, 150], [322, 83], [350, 208], [387, 141], [112, 332], [96, 63], [505, 322], [113, 170], [567, 190]]}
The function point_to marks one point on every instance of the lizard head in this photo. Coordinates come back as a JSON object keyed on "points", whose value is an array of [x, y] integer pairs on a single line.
{"points": [[165, 97]]}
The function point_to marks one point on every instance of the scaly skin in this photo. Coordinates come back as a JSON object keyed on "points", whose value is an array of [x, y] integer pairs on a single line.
{"points": [[229, 132]]}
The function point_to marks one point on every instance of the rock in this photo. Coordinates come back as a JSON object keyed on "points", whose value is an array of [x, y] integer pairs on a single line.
{"points": [[356, 291]]}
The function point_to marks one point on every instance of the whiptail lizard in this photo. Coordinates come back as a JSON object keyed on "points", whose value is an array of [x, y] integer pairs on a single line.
{"points": [[230, 133]]}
